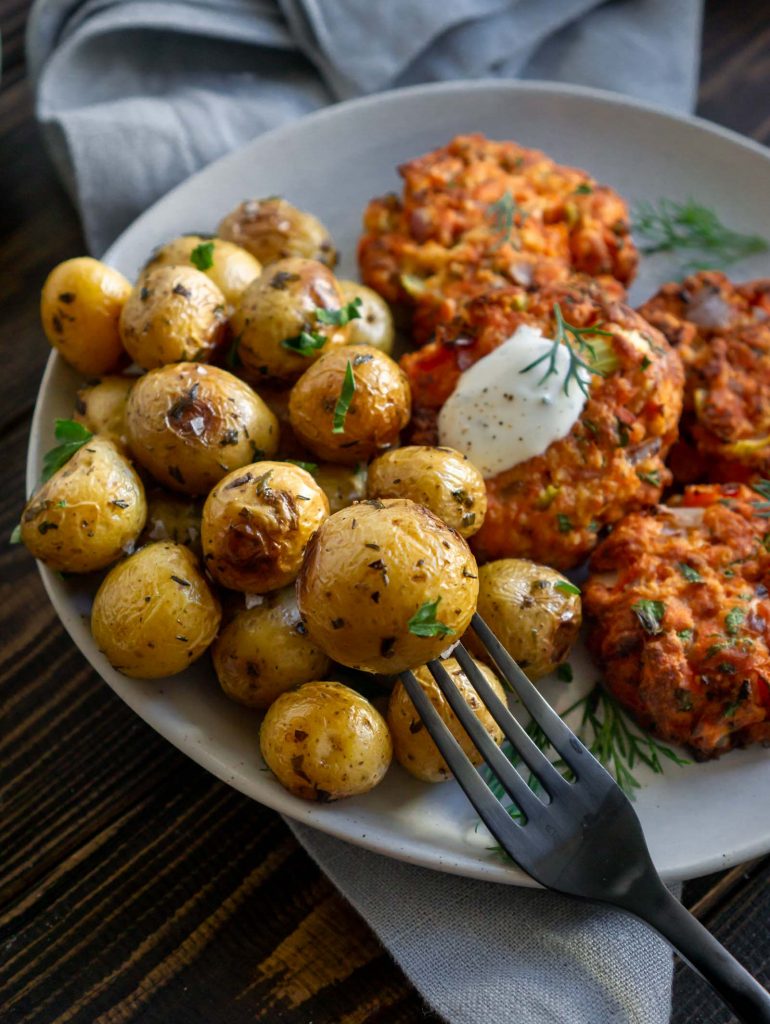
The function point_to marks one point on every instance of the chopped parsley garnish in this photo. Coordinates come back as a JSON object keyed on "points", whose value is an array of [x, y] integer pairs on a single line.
{"points": [[202, 256], [734, 620], [650, 615], [690, 574], [305, 343], [653, 477], [584, 189], [340, 317], [685, 635], [564, 672], [574, 340], [425, 623], [71, 436], [343, 402], [563, 522], [566, 587], [762, 507]]}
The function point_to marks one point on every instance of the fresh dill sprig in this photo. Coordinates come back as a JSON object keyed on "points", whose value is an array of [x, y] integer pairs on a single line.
{"points": [[689, 227], [577, 348], [762, 507], [503, 213]]}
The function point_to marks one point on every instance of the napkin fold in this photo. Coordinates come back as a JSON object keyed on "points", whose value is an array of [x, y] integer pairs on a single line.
{"points": [[133, 97]]}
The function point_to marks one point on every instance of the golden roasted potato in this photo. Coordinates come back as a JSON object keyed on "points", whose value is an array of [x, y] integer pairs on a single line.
{"points": [[80, 308], [257, 523], [534, 611], [324, 741], [190, 425], [342, 485], [172, 315], [386, 586], [88, 513], [265, 650], [175, 517], [350, 404], [154, 613], [412, 745], [101, 406], [440, 478], [231, 268], [272, 229], [284, 320], [374, 323]]}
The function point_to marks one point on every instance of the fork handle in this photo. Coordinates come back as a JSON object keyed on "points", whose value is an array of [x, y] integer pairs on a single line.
{"points": [[742, 993]]}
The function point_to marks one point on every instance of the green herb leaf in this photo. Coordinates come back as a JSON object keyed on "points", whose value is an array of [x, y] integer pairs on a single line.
{"points": [[734, 621], [601, 362], [202, 256], [72, 436], [566, 587], [305, 343], [563, 522], [340, 317], [690, 574], [564, 672], [309, 467], [15, 537], [650, 615], [762, 507], [343, 402], [685, 635], [584, 189], [503, 213], [653, 477], [425, 623]]}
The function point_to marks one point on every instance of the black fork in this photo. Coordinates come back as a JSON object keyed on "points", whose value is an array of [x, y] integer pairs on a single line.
{"points": [[586, 840]]}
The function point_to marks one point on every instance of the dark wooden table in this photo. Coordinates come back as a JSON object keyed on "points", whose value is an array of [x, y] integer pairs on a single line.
{"points": [[133, 885]]}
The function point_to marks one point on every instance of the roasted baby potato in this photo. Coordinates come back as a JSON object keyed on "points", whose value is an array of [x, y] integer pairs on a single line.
{"points": [[80, 308], [231, 268], [154, 613], [272, 229], [101, 406], [190, 425], [412, 745], [89, 512], [534, 611], [285, 319], [342, 485], [324, 741], [172, 315], [374, 323], [443, 480], [257, 523], [386, 586], [265, 650], [175, 517], [350, 405]]}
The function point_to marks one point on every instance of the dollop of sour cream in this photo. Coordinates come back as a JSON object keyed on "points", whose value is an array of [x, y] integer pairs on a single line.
{"points": [[501, 414]]}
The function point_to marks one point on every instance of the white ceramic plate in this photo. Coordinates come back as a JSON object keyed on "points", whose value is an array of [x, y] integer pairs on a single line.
{"points": [[697, 819]]}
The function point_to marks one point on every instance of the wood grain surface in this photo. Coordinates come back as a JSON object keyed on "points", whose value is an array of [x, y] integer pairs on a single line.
{"points": [[133, 885]]}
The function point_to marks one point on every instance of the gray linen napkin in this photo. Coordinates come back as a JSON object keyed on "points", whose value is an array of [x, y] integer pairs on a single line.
{"points": [[135, 95]]}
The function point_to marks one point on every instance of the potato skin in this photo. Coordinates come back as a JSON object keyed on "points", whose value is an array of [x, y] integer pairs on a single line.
{"points": [[232, 270], [88, 513], [374, 325], [412, 745], [154, 613], [442, 479], [342, 485], [535, 622], [257, 523], [80, 307], [175, 517], [272, 229], [265, 650], [324, 741], [379, 409], [369, 570], [101, 406], [280, 305], [190, 425], [173, 314]]}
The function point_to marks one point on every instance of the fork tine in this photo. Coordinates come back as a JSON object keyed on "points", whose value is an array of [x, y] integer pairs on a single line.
{"points": [[509, 834], [533, 757], [526, 800], [559, 735]]}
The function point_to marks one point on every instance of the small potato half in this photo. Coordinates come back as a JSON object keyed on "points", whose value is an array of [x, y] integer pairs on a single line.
{"points": [[378, 404], [154, 613], [190, 425], [231, 268], [413, 746], [173, 315], [89, 512], [324, 741], [386, 586], [257, 523], [80, 307], [442, 479], [265, 650], [101, 407], [374, 323], [532, 609], [272, 229], [282, 320]]}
